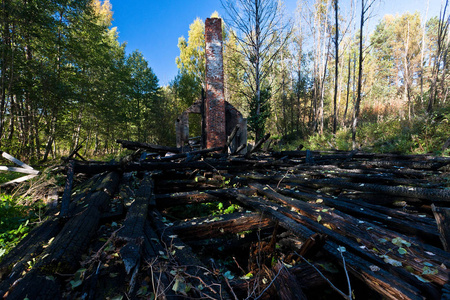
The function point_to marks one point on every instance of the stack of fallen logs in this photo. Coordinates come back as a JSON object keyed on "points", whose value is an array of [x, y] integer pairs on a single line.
{"points": [[301, 224]]}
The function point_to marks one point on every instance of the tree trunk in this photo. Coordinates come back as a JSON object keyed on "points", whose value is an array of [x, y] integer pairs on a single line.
{"points": [[442, 33], [422, 53], [360, 70], [336, 60], [4, 62]]}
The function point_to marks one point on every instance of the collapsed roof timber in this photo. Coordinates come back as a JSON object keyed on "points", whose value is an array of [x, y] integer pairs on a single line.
{"points": [[138, 229]]}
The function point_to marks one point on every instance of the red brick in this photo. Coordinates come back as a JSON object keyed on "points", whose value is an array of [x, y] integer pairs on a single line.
{"points": [[215, 96]]}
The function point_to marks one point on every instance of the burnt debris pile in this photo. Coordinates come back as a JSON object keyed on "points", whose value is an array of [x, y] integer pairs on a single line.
{"points": [[267, 225]]}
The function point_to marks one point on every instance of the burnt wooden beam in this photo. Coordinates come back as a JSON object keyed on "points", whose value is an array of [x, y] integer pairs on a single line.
{"points": [[184, 198], [65, 202], [138, 145], [343, 225], [286, 284], [133, 227], [413, 192], [307, 278], [374, 177], [430, 194], [215, 226], [239, 149], [381, 280], [207, 164], [232, 135], [64, 253], [191, 154], [343, 155], [415, 165], [258, 145], [442, 216], [65, 250], [151, 248], [73, 152], [16, 261], [413, 225], [187, 259]]}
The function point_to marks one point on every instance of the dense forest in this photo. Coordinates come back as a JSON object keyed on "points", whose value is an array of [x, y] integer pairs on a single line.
{"points": [[322, 78]]}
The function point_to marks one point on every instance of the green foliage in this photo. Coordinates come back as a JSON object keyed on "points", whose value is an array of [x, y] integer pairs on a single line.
{"points": [[423, 135], [223, 209], [15, 222], [8, 176], [203, 210], [192, 52], [259, 112]]}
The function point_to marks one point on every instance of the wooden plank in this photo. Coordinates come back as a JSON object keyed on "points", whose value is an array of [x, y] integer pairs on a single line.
{"points": [[16, 161], [18, 180], [20, 170]]}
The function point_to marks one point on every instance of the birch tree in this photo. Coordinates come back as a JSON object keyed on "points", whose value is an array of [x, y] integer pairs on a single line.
{"points": [[261, 34], [365, 9]]}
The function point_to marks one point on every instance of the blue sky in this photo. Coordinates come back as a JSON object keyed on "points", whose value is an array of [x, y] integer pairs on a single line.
{"points": [[154, 26]]}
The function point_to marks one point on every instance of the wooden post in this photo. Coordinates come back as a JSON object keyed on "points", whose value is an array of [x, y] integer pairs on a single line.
{"points": [[442, 216], [67, 189]]}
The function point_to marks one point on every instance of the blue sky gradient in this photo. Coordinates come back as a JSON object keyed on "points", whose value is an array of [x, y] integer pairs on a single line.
{"points": [[153, 27]]}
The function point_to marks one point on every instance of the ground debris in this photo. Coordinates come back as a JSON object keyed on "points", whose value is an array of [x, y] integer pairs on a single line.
{"points": [[210, 225]]}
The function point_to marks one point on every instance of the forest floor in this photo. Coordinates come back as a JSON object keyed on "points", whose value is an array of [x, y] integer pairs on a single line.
{"points": [[274, 225]]}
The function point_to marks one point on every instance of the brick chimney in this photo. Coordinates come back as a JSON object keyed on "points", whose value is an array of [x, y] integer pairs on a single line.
{"points": [[215, 127]]}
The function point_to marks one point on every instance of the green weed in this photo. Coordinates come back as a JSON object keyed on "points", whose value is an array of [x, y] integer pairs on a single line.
{"points": [[15, 223]]}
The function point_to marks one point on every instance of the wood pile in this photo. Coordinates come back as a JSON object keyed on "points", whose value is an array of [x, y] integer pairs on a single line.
{"points": [[286, 225]]}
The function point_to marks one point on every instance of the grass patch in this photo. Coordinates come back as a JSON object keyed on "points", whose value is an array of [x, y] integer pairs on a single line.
{"points": [[424, 134], [6, 176], [16, 221]]}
